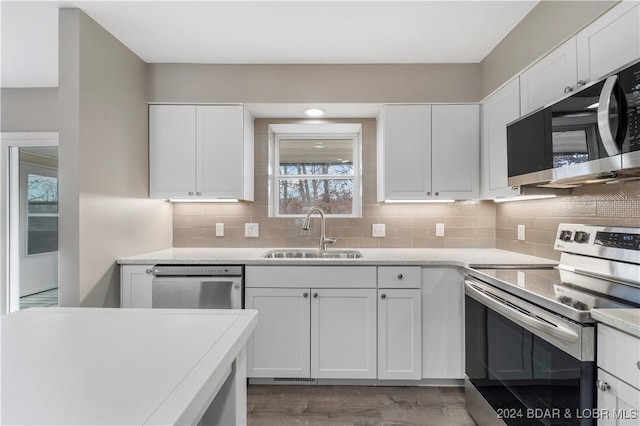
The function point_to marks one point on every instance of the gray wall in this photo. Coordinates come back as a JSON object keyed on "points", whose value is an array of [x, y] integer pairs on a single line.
{"points": [[104, 210], [29, 109], [314, 83], [548, 25]]}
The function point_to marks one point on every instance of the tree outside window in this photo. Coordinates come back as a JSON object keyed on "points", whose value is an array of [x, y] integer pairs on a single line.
{"points": [[318, 171]]}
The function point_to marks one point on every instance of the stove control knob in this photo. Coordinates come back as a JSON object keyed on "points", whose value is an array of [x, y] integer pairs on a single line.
{"points": [[581, 237], [565, 235]]}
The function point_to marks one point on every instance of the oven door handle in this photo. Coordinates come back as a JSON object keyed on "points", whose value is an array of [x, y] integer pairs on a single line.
{"points": [[545, 326]]}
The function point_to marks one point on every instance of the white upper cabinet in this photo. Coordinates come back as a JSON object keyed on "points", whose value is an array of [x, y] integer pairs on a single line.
{"points": [[607, 44], [200, 152], [610, 42], [404, 152], [550, 78], [499, 109], [428, 152], [455, 149], [172, 151]]}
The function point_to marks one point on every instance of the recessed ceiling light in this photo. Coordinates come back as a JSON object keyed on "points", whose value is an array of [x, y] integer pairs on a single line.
{"points": [[314, 112]]}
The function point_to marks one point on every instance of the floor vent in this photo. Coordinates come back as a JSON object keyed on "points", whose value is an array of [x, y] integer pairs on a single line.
{"points": [[294, 380]]}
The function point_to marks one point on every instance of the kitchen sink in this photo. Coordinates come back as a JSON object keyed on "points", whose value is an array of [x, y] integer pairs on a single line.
{"points": [[312, 254]]}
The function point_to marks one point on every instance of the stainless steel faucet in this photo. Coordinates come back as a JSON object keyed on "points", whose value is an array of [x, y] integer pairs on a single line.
{"points": [[324, 240]]}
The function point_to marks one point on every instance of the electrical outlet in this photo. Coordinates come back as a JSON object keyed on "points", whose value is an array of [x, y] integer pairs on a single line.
{"points": [[378, 230], [252, 230], [521, 234], [439, 229], [219, 229]]}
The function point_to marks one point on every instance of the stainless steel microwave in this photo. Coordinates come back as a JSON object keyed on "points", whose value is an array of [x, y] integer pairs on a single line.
{"points": [[592, 135]]}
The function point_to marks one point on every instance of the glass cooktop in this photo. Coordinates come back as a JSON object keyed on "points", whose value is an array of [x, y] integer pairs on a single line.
{"points": [[563, 292]]}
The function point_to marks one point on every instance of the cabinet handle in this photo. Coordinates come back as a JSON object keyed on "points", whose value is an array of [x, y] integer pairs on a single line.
{"points": [[603, 386], [400, 276], [305, 294], [149, 271], [581, 83], [190, 192], [198, 193], [428, 194], [568, 89], [315, 294], [236, 286], [383, 296], [638, 365], [437, 194]]}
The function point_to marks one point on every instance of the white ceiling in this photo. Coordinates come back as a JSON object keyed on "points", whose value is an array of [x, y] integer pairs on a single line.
{"points": [[262, 32]]}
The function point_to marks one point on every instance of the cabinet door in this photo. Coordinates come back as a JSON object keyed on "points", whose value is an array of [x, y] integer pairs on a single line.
{"points": [[172, 151], [548, 78], [442, 323], [399, 334], [404, 147], [343, 333], [220, 151], [279, 345], [135, 286], [455, 141], [498, 110], [618, 400], [610, 42]]}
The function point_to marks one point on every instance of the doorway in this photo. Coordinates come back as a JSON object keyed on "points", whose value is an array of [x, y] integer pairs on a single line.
{"points": [[29, 178]]}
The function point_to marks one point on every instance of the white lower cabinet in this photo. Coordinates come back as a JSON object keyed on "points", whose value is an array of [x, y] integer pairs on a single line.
{"points": [[399, 334], [323, 333], [442, 323], [135, 286], [618, 384], [343, 333], [279, 346], [617, 401], [320, 332]]}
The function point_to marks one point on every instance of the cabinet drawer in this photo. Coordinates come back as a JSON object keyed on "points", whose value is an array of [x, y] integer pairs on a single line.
{"points": [[399, 277], [619, 354], [311, 276]]}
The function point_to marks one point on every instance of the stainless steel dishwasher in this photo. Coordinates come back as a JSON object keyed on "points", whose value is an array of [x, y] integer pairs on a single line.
{"points": [[197, 287]]}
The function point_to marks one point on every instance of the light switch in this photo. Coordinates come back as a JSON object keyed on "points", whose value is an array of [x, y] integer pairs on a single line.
{"points": [[252, 230], [378, 230], [219, 229], [521, 235], [439, 229]]}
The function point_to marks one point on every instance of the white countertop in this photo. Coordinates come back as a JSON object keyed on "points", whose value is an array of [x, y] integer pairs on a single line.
{"points": [[395, 256], [116, 366], [627, 320]]}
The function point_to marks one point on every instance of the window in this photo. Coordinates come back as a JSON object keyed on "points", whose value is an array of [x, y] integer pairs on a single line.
{"points": [[42, 214], [316, 170]]}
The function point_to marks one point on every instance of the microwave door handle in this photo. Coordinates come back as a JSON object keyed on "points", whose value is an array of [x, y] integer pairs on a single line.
{"points": [[604, 125], [555, 330]]}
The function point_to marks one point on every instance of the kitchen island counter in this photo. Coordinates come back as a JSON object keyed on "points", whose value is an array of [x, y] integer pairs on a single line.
{"points": [[123, 366], [395, 256]]}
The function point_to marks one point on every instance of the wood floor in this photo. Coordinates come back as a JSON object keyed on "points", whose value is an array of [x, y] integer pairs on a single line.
{"points": [[356, 406]]}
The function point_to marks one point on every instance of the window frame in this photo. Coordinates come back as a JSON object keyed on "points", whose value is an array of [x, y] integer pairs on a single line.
{"points": [[318, 134]]}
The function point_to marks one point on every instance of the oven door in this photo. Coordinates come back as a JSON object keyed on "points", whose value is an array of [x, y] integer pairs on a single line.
{"points": [[524, 365]]}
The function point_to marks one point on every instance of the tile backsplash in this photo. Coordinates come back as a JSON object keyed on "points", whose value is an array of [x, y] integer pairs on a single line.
{"points": [[467, 223], [613, 205]]}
